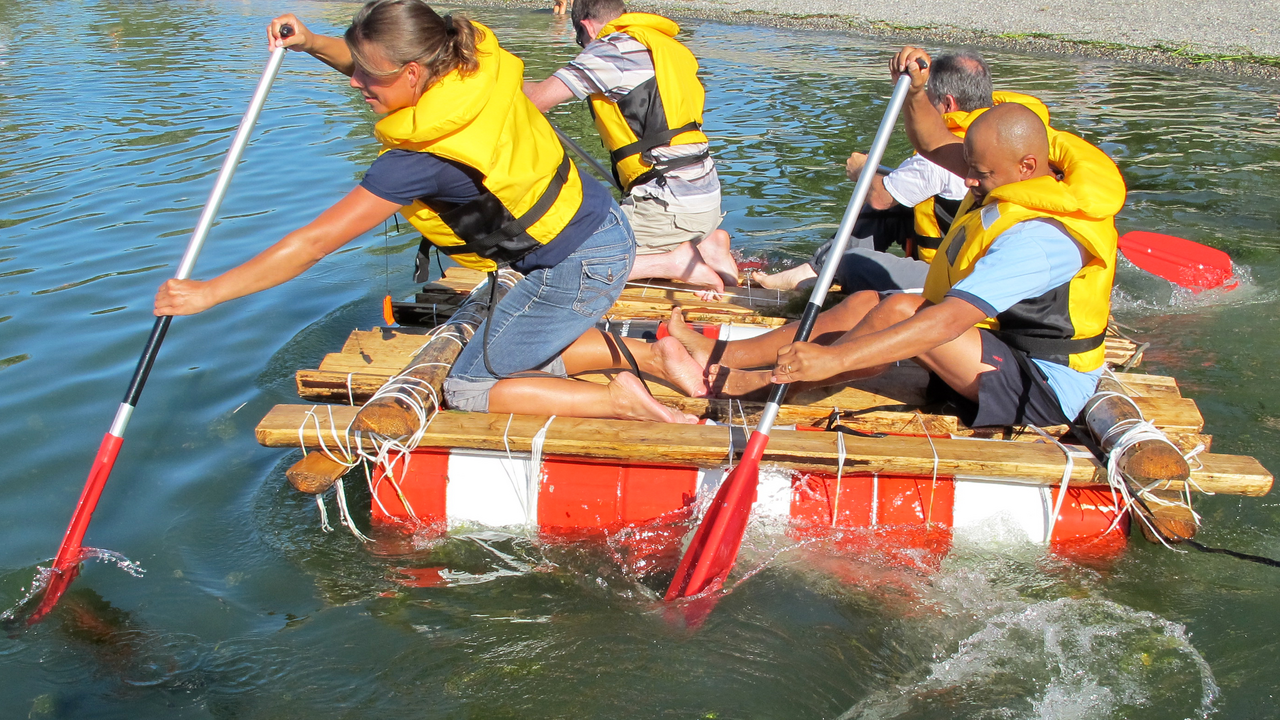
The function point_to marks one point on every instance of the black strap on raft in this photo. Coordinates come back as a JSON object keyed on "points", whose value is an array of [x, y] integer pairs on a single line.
{"points": [[472, 221], [611, 331], [833, 425]]}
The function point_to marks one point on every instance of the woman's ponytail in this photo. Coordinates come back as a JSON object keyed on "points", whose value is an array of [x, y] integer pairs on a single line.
{"points": [[405, 31]]}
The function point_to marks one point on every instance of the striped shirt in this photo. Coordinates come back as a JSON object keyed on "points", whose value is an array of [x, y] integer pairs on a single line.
{"points": [[613, 66]]}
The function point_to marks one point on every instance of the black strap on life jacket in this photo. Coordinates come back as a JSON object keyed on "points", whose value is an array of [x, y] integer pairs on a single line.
{"points": [[944, 212], [651, 141], [489, 229], [1043, 348], [660, 170]]}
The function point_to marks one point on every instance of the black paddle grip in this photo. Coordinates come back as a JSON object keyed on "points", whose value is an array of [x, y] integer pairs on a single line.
{"points": [[147, 360], [286, 30]]}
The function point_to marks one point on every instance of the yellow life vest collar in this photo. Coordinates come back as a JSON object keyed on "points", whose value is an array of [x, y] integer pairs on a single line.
{"points": [[625, 21], [448, 104], [958, 122]]}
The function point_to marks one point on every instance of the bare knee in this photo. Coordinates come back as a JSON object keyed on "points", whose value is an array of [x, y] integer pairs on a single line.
{"points": [[856, 306], [898, 307]]}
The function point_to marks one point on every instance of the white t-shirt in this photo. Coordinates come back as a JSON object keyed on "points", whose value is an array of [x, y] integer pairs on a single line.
{"points": [[918, 179]]}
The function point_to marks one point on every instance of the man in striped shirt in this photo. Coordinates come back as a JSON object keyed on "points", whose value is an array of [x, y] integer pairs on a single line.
{"points": [[674, 205]]}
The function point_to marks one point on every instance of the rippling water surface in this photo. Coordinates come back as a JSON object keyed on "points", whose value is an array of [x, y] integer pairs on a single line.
{"points": [[115, 117]]}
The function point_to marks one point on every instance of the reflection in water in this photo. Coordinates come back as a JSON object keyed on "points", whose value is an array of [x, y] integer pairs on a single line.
{"points": [[248, 610]]}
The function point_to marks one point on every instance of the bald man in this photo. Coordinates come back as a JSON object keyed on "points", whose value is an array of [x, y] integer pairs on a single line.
{"points": [[1034, 285]]}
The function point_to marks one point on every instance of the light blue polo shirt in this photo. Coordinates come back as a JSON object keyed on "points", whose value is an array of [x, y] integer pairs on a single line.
{"points": [[1026, 261]]}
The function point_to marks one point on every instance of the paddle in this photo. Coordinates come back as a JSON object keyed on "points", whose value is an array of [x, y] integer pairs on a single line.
{"points": [[600, 169], [67, 564], [1181, 262], [715, 545]]}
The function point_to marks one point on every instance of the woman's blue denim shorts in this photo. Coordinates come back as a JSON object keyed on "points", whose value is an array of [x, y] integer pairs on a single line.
{"points": [[544, 313]]}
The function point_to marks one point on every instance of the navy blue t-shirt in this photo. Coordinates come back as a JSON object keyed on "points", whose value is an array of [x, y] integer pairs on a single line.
{"points": [[402, 176]]}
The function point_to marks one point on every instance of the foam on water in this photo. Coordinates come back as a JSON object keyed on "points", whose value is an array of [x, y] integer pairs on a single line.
{"points": [[1144, 294], [1002, 653]]}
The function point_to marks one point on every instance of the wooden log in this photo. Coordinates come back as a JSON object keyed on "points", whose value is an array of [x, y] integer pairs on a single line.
{"points": [[315, 473], [1143, 464], [705, 446], [390, 416]]}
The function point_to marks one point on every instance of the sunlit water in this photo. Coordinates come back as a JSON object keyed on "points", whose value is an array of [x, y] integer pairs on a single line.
{"points": [[115, 118]]}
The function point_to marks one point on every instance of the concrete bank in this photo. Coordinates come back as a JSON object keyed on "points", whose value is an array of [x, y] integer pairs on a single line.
{"points": [[1240, 37]]}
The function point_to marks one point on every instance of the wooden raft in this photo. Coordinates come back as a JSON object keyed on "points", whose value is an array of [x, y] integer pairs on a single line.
{"points": [[887, 404]]}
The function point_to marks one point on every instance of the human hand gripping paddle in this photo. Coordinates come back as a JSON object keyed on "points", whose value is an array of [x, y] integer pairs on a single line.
{"points": [[67, 564], [715, 545]]}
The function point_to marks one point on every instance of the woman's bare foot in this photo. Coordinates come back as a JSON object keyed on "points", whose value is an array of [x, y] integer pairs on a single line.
{"points": [[727, 382], [631, 401], [785, 280], [714, 249], [699, 346], [682, 263], [679, 367]]}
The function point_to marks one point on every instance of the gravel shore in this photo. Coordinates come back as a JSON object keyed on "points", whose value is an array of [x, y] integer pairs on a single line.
{"points": [[1234, 36]]}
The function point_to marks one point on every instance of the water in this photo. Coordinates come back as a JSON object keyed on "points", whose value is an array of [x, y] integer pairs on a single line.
{"points": [[116, 116]]}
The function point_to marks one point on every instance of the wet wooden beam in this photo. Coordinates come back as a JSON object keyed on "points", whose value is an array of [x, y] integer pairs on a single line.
{"points": [[705, 446]]}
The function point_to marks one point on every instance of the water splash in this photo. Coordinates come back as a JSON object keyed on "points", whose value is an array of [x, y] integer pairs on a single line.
{"points": [[1142, 294], [43, 574], [1069, 657]]}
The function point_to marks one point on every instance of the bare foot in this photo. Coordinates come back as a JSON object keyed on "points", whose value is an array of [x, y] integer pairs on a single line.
{"points": [[728, 382], [631, 401], [714, 249], [699, 346], [785, 280], [679, 367], [682, 263]]}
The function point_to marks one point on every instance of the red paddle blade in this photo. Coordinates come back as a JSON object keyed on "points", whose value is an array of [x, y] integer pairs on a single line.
{"points": [[1181, 262], [710, 556], [67, 564]]}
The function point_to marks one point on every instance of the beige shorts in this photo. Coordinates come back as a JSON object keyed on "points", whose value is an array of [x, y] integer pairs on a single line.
{"points": [[659, 230]]}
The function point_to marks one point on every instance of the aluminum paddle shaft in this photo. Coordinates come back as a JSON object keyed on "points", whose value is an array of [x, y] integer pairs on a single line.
{"points": [[715, 545], [67, 563]]}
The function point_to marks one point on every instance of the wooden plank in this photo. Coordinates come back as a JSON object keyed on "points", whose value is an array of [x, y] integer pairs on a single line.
{"points": [[360, 363], [1138, 385], [705, 446], [1171, 413]]}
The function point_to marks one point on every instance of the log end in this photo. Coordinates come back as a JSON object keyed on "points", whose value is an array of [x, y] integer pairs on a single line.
{"points": [[315, 473], [385, 417]]}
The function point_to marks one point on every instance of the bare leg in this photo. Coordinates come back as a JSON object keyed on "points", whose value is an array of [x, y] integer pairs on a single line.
{"points": [[682, 263], [763, 349], [714, 249], [624, 398], [958, 363], [665, 359], [785, 280]]}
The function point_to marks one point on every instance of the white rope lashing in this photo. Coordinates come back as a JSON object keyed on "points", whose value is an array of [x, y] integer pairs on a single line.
{"points": [[840, 456], [1126, 434]]}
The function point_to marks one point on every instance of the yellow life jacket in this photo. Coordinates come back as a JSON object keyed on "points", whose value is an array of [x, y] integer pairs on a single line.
{"points": [[1067, 324], [934, 216], [664, 110], [485, 121]]}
